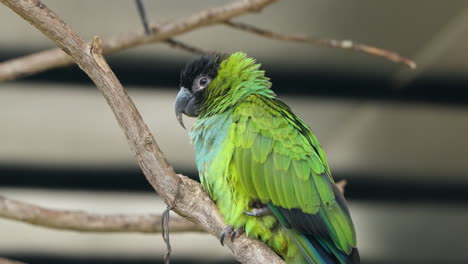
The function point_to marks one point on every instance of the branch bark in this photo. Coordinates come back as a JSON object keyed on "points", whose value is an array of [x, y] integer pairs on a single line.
{"points": [[331, 43], [87, 222], [193, 203]]}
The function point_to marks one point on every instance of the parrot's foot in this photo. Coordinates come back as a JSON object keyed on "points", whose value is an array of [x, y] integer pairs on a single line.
{"points": [[258, 212], [229, 231]]}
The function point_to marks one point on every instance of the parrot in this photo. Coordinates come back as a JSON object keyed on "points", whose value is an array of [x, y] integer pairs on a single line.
{"points": [[261, 164]]}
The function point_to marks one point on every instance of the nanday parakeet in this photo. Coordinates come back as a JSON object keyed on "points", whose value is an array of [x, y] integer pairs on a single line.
{"points": [[261, 164]]}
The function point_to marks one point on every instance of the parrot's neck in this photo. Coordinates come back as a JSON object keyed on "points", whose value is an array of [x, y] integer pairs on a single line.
{"points": [[238, 77]]}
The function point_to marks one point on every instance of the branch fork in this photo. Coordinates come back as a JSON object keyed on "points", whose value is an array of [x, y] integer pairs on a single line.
{"points": [[194, 203]]}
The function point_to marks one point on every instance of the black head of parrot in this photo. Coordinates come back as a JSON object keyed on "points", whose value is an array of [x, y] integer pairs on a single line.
{"points": [[194, 79]]}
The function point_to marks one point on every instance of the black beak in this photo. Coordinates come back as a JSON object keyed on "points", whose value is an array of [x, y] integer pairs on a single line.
{"points": [[182, 101]]}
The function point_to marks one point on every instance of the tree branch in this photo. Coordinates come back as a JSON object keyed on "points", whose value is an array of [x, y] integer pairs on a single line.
{"points": [[54, 58], [87, 222], [331, 43], [193, 202], [9, 261]]}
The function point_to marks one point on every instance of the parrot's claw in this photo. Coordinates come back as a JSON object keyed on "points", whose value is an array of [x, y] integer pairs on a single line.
{"points": [[237, 232], [257, 212], [229, 231], [226, 232]]}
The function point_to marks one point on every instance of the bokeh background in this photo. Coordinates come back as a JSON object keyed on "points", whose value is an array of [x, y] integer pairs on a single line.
{"points": [[398, 136]]}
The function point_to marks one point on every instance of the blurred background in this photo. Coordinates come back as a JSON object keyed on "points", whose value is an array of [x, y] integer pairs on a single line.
{"points": [[398, 136]]}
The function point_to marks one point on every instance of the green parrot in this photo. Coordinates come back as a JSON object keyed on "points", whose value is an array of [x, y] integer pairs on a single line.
{"points": [[261, 164]]}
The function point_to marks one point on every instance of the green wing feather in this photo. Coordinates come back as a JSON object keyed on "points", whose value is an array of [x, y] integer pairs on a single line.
{"points": [[278, 160]]}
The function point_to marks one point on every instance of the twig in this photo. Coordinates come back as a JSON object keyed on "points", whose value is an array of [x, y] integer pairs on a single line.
{"points": [[193, 202], [184, 46], [9, 261], [88, 222], [341, 44], [171, 42], [144, 18], [54, 58]]}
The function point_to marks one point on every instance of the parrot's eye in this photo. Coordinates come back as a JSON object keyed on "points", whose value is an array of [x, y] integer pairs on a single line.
{"points": [[203, 82], [200, 83]]}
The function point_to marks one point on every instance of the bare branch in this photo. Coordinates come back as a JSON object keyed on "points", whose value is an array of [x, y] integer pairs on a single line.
{"points": [[193, 202], [144, 18], [34, 63], [341, 44], [184, 46], [54, 58], [9, 261], [88, 222]]}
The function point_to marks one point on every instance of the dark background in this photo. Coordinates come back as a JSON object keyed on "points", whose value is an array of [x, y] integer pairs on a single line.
{"points": [[397, 135]]}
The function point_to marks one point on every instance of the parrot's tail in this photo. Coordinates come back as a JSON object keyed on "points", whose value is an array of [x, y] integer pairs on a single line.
{"points": [[328, 248], [315, 250]]}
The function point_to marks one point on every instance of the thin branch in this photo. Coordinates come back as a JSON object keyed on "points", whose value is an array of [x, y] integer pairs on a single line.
{"points": [[54, 58], [9, 261], [341, 44], [88, 222], [144, 18], [184, 46], [193, 202], [33, 63]]}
